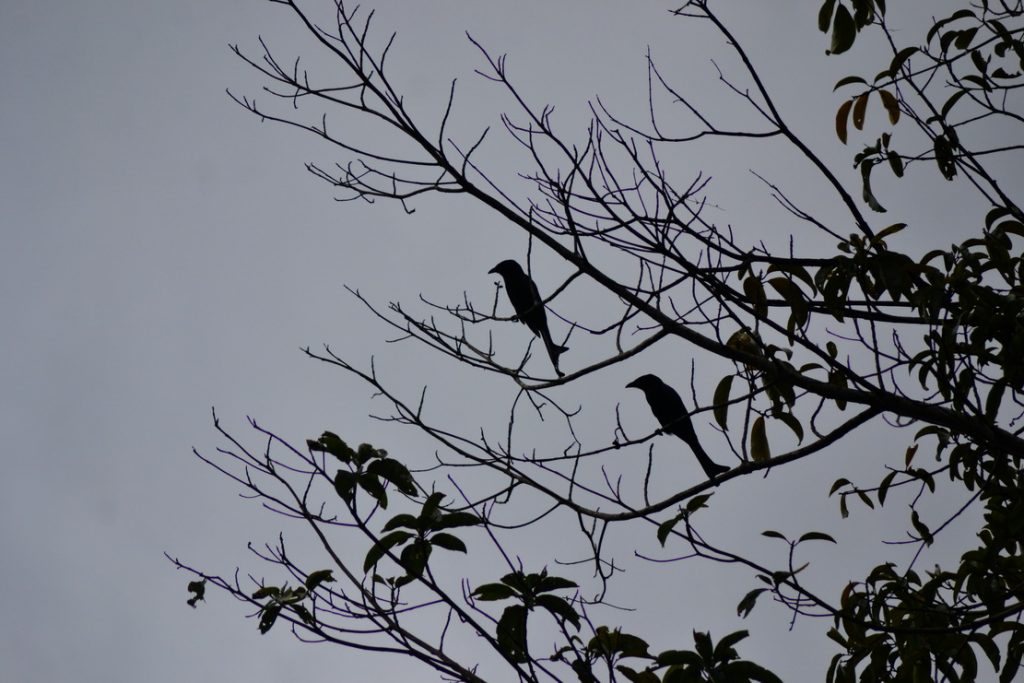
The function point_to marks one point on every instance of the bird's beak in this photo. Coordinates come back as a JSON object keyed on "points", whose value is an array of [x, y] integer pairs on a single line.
{"points": [[493, 270], [633, 384]]}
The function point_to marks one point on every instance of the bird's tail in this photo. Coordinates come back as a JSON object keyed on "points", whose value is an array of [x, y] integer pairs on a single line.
{"points": [[711, 468], [554, 350]]}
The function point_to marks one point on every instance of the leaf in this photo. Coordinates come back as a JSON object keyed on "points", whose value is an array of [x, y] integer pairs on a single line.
{"points": [[844, 31], [816, 536], [860, 108], [825, 15], [448, 542], [198, 590], [726, 646], [891, 104], [266, 592], [382, 546], [402, 520], [746, 605], [493, 591], [895, 163], [457, 519], [721, 401], [395, 472], [754, 290], [511, 632], [554, 583], [770, 533], [743, 670], [268, 617], [679, 658], [560, 608], [665, 528], [842, 115], [900, 59], [848, 80], [869, 198], [345, 485], [316, 578], [698, 502], [790, 421], [759, 450], [921, 528], [414, 557], [330, 442]]}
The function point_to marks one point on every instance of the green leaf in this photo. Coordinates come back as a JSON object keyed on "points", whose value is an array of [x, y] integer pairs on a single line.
{"points": [[697, 502], [793, 423], [665, 528], [318, 577], [345, 485], [746, 605], [825, 15], [382, 546], [848, 80], [330, 442], [511, 633], [869, 197], [493, 591], [268, 617], [743, 670], [726, 646], [457, 519], [414, 557], [402, 520], [560, 608], [679, 658], [448, 542], [554, 583], [198, 590], [395, 472], [754, 290], [844, 31], [266, 592], [721, 401], [895, 163], [816, 536], [759, 450]]}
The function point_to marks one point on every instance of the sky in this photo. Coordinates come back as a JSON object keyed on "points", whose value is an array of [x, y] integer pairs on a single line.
{"points": [[164, 252]]}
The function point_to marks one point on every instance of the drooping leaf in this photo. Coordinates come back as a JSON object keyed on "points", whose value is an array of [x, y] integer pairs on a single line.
{"points": [[842, 116], [759, 450], [844, 31], [721, 401], [448, 542], [891, 104]]}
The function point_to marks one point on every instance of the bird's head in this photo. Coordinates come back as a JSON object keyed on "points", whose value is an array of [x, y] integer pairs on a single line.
{"points": [[506, 267], [645, 383]]}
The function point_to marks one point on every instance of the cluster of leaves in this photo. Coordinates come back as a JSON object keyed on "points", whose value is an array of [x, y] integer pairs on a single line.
{"points": [[418, 535], [283, 598], [369, 468], [707, 662]]}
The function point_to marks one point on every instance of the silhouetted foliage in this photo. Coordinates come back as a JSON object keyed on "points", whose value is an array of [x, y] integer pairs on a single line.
{"points": [[928, 344]]}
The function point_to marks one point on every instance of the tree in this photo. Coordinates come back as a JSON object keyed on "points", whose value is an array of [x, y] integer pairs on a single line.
{"points": [[924, 341]]}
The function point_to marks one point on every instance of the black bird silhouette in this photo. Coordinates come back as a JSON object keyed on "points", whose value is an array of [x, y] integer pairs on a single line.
{"points": [[525, 298], [670, 412]]}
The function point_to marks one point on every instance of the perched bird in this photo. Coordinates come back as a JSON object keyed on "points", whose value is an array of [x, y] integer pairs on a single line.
{"points": [[529, 307], [670, 412]]}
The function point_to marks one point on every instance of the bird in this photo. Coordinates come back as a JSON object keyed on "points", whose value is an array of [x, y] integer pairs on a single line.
{"points": [[670, 412], [529, 307]]}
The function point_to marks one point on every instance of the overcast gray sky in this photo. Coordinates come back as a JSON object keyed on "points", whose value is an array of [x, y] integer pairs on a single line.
{"points": [[163, 252]]}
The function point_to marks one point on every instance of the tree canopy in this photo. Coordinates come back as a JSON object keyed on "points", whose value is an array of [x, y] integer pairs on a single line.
{"points": [[804, 332]]}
